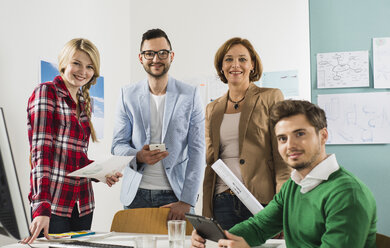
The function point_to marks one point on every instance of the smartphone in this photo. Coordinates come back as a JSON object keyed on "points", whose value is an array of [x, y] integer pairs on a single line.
{"points": [[207, 228], [160, 147]]}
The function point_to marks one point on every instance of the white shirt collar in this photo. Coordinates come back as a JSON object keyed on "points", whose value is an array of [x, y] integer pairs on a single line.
{"points": [[317, 175]]}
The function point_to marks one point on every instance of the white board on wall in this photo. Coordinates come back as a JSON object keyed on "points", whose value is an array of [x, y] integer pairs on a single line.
{"points": [[279, 31]]}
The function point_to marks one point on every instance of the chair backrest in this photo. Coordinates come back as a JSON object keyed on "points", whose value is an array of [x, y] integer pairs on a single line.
{"points": [[143, 220], [382, 241]]}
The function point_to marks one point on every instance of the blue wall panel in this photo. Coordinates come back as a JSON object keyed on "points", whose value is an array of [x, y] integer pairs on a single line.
{"points": [[350, 25]]}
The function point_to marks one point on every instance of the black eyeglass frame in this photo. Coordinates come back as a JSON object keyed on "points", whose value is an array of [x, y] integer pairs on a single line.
{"points": [[156, 52]]}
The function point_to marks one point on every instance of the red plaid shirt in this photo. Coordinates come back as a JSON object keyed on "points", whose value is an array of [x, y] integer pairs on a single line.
{"points": [[58, 146]]}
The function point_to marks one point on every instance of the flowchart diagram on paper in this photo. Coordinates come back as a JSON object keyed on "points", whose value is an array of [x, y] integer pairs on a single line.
{"points": [[343, 69]]}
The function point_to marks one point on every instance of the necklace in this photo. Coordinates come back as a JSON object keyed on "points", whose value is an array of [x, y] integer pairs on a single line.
{"points": [[236, 104]]}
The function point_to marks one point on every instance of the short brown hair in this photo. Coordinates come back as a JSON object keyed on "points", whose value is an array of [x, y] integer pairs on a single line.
{"points": [[154, 34], [314, 114], [257, 68]]}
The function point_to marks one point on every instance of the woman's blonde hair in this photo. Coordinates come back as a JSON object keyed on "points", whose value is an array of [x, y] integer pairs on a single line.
{"points": [[64, 58]]}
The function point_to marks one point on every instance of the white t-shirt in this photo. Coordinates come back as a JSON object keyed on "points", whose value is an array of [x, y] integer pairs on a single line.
{"points": [[154, 177]]}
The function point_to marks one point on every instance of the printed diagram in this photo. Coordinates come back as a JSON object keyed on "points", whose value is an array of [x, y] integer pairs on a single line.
{"points": [[343, 69], [357, 118]]}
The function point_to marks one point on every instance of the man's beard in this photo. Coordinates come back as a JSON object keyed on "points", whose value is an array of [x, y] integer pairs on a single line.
{"points": [[308, 164], [302, 166], [164, 71]]}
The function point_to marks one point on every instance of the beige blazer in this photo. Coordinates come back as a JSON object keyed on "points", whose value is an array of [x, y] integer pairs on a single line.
{"points": [[263, 170]]}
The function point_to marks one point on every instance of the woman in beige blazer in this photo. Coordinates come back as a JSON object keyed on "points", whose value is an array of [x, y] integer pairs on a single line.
{"points": [[238, 132]]}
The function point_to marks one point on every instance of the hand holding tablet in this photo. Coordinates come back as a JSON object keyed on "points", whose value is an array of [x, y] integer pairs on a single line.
{"points": [[207, 228]]}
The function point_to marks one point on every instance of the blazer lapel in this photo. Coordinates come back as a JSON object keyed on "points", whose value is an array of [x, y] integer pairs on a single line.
{"points": [[247, 109], [218, 112], [144, 107], [170, 102]]}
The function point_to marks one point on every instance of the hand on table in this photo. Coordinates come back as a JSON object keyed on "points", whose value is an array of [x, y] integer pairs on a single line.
{"points": [[39, 223]]}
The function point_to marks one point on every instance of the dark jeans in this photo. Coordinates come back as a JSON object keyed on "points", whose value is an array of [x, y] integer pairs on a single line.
{"points": [[146, 198], [59, 224], [229, 210]]}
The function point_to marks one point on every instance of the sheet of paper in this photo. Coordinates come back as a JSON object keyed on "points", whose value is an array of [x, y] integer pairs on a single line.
{"points": [[99, 169], [237, 186], [201, 82], [343, 69], [216, 88], [357, 118], [381, 59], [286, 81]]}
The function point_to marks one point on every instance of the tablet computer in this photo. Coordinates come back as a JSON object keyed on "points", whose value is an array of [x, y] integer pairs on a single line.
{"points": [[207, 228]]}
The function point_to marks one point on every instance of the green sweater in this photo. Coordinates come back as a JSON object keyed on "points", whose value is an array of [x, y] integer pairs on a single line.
{"points": [[340, 212]]}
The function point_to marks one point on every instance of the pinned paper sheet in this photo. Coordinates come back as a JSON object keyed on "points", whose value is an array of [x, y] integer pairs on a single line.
{"points": [[237, 187], [342, 69], [381, 59], [286, 81], [357, 118], [100, 169]]}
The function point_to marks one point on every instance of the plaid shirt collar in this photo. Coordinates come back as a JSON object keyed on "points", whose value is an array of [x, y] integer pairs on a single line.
{"points": [[64, 92]]}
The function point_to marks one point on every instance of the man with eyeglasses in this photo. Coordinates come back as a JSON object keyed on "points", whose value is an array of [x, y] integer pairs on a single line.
{"points": [[160, 110]]}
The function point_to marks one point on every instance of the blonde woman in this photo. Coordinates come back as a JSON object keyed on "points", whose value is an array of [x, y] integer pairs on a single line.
{"points": [[59, 129]]}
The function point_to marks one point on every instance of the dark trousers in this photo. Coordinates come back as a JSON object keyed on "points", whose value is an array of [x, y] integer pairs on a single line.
{"points": [[229, 210], [59, 224], [146, 198]]}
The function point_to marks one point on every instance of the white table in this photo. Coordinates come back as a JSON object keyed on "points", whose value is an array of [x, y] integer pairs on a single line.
{"points": [[129, 239]]}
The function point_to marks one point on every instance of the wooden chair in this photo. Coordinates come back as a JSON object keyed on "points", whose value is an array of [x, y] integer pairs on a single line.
{"points": [[382, 241], [143, 220]]}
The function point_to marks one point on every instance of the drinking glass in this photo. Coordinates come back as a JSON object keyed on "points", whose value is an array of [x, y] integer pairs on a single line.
{"points": [[176, 233]]}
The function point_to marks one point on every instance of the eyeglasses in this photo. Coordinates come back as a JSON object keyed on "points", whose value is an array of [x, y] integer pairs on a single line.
{"points": [[161, 54]]}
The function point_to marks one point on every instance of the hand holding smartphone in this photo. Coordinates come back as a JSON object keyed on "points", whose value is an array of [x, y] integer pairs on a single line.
{"points": [[160, 147]]}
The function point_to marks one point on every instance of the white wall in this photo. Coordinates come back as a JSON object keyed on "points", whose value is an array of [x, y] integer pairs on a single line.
{"points": [[31, 30], [278, 29]]}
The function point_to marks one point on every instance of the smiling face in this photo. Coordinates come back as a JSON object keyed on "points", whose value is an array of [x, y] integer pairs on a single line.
{"points": [[156, 67], [299, 144], [237, 65], [78, 72]]}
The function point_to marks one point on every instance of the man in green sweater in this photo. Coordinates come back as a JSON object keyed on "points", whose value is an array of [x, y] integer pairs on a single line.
{"points": [[322, 204]]}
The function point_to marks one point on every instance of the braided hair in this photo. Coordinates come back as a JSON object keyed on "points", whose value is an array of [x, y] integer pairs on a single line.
{"points": [[84, 45]]}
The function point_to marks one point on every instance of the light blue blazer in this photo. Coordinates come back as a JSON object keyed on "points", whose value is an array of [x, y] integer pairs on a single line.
{"points": [[182, 133]]}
